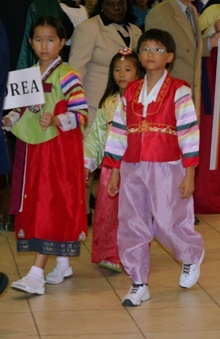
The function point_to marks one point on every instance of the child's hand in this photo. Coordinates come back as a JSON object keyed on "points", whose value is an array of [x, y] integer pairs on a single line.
{"points": [[86, 172], [46, 120], [6, 122], [187, 186], [112, 188]]}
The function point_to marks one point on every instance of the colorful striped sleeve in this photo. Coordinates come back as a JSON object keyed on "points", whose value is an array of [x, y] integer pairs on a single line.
{"points": [[187, 126], [117, 138], [72, 89]]}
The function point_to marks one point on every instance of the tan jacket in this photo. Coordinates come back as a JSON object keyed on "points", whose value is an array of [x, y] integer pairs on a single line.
{"points": [[93, 46], [169, 17]]}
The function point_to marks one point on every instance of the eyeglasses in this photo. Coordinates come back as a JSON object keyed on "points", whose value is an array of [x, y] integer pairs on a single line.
{"points": [[154, 50]]}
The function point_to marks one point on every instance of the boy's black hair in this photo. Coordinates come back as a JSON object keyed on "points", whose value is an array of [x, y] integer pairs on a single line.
{"points": [[158, 35], [50, 21], [112, 87]]}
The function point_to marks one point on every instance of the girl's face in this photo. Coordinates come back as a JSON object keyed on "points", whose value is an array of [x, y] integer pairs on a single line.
{"points": [[124, 71], [153, 56], [46, 43]]}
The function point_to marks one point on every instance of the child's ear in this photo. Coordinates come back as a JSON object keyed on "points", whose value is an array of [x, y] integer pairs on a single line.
{"points": [[170, 57], [62, 43], [30, 41]]}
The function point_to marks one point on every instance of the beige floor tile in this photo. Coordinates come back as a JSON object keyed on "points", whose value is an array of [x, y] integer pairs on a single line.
{"points": [[214, 293], [209, 277], [86, 300], [17, 323], [85, 322], [184, 334], [207, 231], [98, 336], [177, 319], [12, 302]]}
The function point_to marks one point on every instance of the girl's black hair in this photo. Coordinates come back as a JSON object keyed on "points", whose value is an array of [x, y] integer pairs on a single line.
{"points": [[129, 16], [158, 35], [49, 20], [73, 3], [112, 87]]}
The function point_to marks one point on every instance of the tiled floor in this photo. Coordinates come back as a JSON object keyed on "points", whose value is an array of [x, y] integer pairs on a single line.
{"points": [[87, 305]]}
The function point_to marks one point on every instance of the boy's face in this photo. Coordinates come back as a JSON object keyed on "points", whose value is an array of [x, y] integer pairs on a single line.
{"points": [[153, 56]]}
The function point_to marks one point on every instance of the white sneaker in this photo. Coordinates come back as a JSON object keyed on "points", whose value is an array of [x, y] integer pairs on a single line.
{"points": [[58, 274], [190, 273], [137, 293], [30, 284]]}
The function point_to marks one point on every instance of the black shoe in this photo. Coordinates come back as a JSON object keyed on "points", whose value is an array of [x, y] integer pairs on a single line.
{"points": [[92, 200], [196, 221], [11, 223], [3, 282], [89, 218]]}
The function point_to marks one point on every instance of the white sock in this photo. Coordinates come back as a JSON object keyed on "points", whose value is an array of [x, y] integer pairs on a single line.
{"points": [[63, 261], [62, 264], [37, 271]]}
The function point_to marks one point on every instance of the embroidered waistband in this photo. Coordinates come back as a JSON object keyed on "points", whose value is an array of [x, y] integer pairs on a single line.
{"points": [[145, 126]]}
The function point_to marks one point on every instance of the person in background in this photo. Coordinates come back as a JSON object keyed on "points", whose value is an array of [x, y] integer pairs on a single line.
{"points": [[95, 41], [90, 4], [77, 13], [209, 20], [141, 9], [4, 69], [156, 148], [50, 160], [206, 196], [201, 5], [124, 68], [172, 16], [4, 159]]}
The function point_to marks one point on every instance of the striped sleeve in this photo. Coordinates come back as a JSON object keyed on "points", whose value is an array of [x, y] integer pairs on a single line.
{"points": [[72, 89], [187, 126], [117, 138]]}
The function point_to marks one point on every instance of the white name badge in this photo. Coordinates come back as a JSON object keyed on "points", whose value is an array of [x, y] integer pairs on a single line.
{"points": [[24, 88]]}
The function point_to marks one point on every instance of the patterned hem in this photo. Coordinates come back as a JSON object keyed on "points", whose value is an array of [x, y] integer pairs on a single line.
{"points": [[68, 249]]}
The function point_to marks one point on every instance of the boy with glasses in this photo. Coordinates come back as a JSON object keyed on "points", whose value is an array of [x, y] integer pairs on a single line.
{"points": [[156, 147]]}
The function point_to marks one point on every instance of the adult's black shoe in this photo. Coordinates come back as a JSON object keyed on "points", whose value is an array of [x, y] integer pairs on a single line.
{"points": [[92, 200], [89, 218], [196, 221], [3, 282]]}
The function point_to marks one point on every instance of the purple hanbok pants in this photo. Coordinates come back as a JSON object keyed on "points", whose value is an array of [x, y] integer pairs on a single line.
{"points": [[150, 205]]}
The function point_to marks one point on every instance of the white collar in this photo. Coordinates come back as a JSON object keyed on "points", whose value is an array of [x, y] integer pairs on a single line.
{"points": [[146, 98]]}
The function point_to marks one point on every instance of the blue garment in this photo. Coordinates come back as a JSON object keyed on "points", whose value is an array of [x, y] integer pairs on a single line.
{"points": [[4, 68], [140, 16]]}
